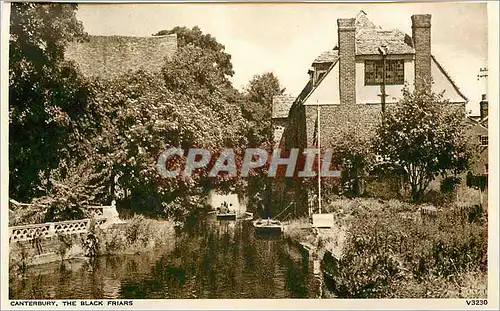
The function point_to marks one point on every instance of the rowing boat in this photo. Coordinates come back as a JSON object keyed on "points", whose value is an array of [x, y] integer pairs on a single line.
{"points": [[268, 227]]}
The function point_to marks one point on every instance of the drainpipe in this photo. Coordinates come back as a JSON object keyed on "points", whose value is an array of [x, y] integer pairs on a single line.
{"points": [[383, 52]]}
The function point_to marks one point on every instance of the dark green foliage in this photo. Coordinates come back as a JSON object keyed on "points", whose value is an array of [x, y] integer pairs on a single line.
{"points": [[48, 100], [390, 245], [477, 181], [448, 184], [257, 108], [195, 37]]}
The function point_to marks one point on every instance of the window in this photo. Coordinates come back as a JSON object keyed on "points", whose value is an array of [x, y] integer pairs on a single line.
{"points": [[483, 139], [394, 72]]}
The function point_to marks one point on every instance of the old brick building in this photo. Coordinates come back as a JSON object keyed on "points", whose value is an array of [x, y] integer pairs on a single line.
{"points": [[347, 82], [111, 56], [478, 130]]}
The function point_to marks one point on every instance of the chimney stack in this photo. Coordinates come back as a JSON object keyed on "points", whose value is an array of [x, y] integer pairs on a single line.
{"points": [[483, 107], [347, 54], [421, 32]]}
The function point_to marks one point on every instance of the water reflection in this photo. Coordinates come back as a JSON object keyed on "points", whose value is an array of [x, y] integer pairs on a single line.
{"points": [[209, 259]]}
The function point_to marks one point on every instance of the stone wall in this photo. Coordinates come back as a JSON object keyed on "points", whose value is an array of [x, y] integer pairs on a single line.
{"points": [[110, 56], [45, 250], [341, 121]]}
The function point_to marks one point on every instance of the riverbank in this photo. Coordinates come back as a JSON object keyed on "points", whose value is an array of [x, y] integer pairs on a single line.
{"points": [[136, 235], [318, 241], [390, 249]]}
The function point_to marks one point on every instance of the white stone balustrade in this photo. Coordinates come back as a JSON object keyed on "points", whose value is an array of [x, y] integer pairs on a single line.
{"points": [[106, 215], [29, 232]]}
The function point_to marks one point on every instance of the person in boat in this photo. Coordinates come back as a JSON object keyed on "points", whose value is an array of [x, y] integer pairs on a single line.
{"points": [[230, 208], [224, 209]]}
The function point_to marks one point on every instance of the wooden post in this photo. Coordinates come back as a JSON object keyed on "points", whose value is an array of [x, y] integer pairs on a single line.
{"points": [[319, 159]]}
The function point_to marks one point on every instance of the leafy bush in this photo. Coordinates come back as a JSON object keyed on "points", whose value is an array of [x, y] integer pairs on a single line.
{"points": [[91, 241], [388, 243], [448, 184]]}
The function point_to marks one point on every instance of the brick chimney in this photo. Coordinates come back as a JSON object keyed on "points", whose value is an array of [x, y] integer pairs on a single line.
{"points": [[483, 107], [347, 54], [421, 32]]}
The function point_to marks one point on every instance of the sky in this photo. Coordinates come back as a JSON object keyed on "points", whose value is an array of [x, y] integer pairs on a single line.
{"points": [[285, 38]]}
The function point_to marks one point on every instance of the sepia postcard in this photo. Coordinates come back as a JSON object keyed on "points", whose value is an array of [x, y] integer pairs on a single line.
{"points": [[218, 155]]}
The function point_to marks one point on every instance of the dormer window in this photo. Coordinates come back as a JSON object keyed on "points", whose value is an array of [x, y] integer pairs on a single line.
{"points": [[394, 72]]}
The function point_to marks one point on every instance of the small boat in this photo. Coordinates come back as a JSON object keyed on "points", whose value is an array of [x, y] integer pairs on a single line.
{"points": [[226, 216], [245, 216], [268, 227]]}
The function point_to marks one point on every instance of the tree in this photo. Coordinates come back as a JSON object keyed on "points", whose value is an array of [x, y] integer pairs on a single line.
{"points": [[424, 137], [195, 37], [259, 93], [49, 102], [192, 105], [258, 105], [257, 109]]}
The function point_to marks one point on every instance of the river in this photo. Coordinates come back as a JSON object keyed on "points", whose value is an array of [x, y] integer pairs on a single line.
{"points": [[208, 259]]}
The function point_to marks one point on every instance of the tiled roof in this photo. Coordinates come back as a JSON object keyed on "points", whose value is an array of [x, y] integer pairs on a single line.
{"points": [[369, 37], [110, 56], [368, 42], [282, 105], [330, 56]]}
